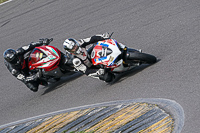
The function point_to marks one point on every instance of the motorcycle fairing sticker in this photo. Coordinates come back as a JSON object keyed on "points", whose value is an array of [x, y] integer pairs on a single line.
{"points": [[103, 44], [100, 59], [101, 47], [50, 56], [51, 49], [39, 55]]}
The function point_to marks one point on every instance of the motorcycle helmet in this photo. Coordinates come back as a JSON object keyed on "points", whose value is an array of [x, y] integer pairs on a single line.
{"points": [[10, 56], [72, 46]]}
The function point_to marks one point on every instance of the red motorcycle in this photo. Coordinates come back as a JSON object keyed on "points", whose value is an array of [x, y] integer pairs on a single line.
{"points": [[50, 62]]}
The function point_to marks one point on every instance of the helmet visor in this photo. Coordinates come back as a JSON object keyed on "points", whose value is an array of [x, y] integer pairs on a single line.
{"points": [[74, 49]]}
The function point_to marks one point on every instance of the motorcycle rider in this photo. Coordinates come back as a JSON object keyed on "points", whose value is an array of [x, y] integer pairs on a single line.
{"points": [[82, 61], [17, 64]]}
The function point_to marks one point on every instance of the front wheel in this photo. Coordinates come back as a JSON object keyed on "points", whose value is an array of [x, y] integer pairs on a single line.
{"points": [[142, 57]]}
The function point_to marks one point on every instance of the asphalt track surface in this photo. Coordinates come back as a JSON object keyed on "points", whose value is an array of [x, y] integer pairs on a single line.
{"points": [[170, 30]]}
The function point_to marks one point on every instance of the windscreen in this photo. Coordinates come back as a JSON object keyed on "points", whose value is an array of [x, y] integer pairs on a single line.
{"points": [[36, 56]]}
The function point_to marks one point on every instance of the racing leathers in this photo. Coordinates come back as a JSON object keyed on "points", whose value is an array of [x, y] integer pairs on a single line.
{"points": [[82, 62], [21, 70]]}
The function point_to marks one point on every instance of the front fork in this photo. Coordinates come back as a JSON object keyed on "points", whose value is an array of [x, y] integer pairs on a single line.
{"points": [[127, 59]]}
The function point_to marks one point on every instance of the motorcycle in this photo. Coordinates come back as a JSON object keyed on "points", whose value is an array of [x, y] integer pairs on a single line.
{"points": [[119, 58], [50, 62]]}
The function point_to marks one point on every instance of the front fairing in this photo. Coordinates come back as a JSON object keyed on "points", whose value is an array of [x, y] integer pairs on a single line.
{"points": [[44, 57], [105, 53]]}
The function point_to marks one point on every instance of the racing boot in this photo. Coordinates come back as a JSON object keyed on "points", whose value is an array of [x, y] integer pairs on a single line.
{"points": [[33, 86], [107, 77]]}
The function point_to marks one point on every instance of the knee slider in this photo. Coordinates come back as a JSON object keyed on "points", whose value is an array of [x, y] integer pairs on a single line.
{"points": [[79, 65], [76, 62]]}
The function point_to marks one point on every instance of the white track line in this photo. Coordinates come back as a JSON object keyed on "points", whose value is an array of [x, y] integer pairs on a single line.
{"points": [[6, 2]]}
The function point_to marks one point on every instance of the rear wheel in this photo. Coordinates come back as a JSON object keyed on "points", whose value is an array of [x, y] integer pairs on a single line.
{"points": [[141, 57]]}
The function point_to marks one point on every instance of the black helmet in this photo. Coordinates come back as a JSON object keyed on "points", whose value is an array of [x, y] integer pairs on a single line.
{"points": [[10, 55]]}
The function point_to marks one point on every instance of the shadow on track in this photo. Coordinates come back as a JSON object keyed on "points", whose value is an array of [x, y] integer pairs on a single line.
{"points": [[119, 77], [64, 80], [131, 72]]}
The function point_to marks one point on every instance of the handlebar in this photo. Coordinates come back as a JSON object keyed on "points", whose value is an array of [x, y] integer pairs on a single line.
{"points": [[51, 39], [111, 34]]}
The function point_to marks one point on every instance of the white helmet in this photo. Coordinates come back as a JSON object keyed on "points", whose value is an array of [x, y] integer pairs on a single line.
{"points": [[72, 46]]}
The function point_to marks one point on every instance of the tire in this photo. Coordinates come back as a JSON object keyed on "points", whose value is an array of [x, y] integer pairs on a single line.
{"points": [[142, 57], [57, 79]]}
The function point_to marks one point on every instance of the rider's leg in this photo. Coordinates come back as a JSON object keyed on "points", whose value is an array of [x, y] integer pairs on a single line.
{"points": [[107, 77], [32, 86]]}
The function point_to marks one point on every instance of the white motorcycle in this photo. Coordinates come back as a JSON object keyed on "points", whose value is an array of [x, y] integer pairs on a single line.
{"points": [[116, 56]]}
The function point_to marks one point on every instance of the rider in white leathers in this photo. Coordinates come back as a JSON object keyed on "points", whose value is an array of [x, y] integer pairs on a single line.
{"points": [[82, 61]]}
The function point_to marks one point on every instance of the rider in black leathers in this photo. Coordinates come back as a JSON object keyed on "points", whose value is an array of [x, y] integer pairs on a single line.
{"points": [[17, 64], [82, 61]]}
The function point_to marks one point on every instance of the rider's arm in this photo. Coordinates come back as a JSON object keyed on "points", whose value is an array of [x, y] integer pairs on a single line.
{"points": [[15, 72], [93, 39], [31, 46]]}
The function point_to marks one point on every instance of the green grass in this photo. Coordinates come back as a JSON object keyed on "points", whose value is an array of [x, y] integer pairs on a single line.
{"points": [[1, 1]]}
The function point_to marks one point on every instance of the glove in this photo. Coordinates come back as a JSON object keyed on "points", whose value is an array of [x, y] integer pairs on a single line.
{"points": [[20, 51], [34, 77], [46, 41], [101, 71], [106, 35]]}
